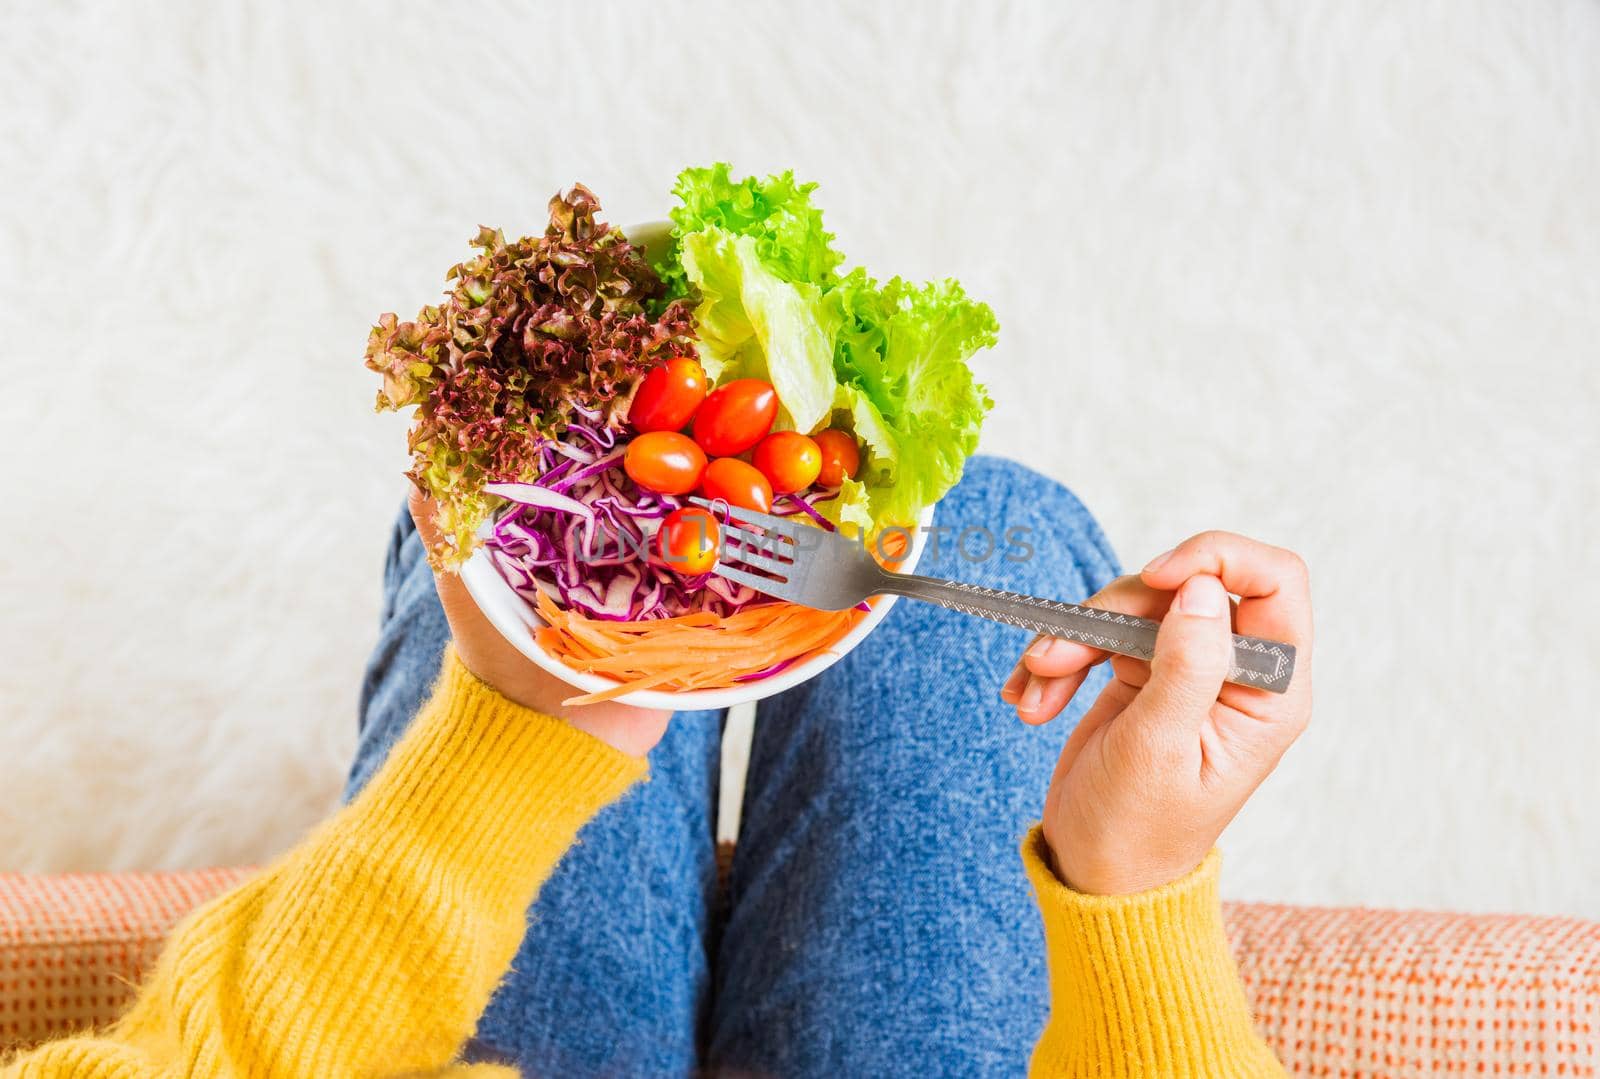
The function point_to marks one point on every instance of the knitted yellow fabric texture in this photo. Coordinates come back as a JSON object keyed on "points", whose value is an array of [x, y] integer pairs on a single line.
{"points": [[1142, 985], [372, 947]]}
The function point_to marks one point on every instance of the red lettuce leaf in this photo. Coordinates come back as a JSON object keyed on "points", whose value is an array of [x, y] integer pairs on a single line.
{"points": [[532, 335]]}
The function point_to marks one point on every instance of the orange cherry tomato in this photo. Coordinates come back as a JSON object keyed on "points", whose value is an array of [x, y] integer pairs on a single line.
{"points": [[737, 484], [735, 417], [665, 462], [841, 457], [790, 460], [687, 541], [668, 396]]}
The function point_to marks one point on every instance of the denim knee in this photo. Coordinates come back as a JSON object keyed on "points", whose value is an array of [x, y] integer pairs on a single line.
{"points": [[1006, 526]]}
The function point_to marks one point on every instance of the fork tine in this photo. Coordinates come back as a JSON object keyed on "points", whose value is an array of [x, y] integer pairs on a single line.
{"points": [[765, 585], [755, 557], [765, 520], [771, 544]]}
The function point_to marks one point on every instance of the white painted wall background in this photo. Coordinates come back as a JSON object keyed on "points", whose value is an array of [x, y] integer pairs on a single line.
{"points": [[1325, 272]]}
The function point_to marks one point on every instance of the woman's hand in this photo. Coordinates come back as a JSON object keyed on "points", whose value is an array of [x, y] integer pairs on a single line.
{"points": [[491, 657], [1168, 754]]}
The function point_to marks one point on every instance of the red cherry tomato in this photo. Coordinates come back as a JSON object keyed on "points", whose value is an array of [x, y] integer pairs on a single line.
{"points": [[665, 462], [687, 541], [737, 484], [735, 417], [841, 457], [790, 460], [668, 396]]}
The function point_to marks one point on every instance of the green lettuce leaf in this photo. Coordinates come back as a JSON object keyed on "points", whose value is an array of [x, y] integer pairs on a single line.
{"points": [[753, 324], [901, 360], [851, 511], [887, 361], [776, 213]]}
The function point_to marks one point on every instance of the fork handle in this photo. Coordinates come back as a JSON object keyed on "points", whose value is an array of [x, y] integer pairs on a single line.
{"points": [[1257, 662]]}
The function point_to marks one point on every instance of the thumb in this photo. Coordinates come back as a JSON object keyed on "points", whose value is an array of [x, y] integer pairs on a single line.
{"points": [[1194, 649], [424, 514], [452, 592]]}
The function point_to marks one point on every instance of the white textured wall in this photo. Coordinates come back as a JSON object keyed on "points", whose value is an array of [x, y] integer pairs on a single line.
{"points": [[1325, 272]]}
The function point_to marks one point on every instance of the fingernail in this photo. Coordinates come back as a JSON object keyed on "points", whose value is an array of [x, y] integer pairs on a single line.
{"points": [[1041, 648], [1202, 597], [1157, 562], [1013, 685], [1031, 695]]}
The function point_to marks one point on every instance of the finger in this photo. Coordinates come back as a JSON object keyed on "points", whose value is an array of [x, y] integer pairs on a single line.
{"points": [[1011, 692], [453, 595], [1194, 649], [1272, 583], [423, 514], [1134, 672], [1246, 567], [1052, 657], [1043, 699]]}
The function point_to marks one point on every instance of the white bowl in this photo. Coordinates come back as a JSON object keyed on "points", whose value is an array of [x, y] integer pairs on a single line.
{"points": [[516, 618]]}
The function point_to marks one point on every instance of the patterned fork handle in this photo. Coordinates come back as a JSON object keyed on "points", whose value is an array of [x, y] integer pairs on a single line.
{"points": [[1264, 664]]}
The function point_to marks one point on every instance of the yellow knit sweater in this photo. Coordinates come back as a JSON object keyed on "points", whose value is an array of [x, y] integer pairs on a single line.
{"points": [[372, 947]]}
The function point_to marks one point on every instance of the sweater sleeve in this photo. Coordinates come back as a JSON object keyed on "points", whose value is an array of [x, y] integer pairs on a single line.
{"points": [[1143, 984], [372, 947]]}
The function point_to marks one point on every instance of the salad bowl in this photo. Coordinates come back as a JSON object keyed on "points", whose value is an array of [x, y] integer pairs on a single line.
{"points": [[518, 621], [615, 371]]}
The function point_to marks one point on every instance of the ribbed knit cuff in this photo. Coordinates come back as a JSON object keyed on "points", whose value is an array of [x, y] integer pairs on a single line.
{"points": [[491, 788], [1142, 984]]}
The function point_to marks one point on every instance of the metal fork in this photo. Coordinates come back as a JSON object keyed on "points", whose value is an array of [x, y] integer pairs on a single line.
{"points": [[832, 572]]}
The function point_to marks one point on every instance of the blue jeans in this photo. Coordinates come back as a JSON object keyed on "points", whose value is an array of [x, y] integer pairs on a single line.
{"points": [[876, 920]]}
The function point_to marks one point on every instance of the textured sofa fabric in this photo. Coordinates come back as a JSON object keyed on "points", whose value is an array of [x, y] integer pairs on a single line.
{"points": [[1337, 992], [72, 946], [1355, 992]]}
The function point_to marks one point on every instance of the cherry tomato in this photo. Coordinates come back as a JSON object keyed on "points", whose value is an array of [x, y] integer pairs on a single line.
{"points": [[668, 396], [665, 462], [737, 484], [841, 457], [688, 540], [790, 460], [735, 417]]}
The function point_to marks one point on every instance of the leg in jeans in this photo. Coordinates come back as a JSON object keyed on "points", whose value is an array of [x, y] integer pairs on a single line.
{"points": [[880, 923], [613, 977]]}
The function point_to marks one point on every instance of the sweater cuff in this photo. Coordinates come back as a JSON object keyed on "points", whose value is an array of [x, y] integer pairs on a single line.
{"points": [[490, 787], [1142, 984]]}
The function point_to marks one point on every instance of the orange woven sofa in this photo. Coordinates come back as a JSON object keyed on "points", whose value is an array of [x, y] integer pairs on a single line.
{"points": [[1338, 992]]}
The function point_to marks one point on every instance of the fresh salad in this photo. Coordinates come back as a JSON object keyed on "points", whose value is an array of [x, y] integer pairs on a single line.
{"points": [[572, 392]]}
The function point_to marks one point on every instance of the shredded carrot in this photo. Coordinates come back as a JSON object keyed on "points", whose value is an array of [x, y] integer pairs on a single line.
{"points": [[692, 651], [893, 546], [619, 689], [698, 650]]}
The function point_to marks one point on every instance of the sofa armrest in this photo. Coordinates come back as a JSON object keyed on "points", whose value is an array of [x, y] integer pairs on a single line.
{"points": [[1353, 992], [73, 947]]}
